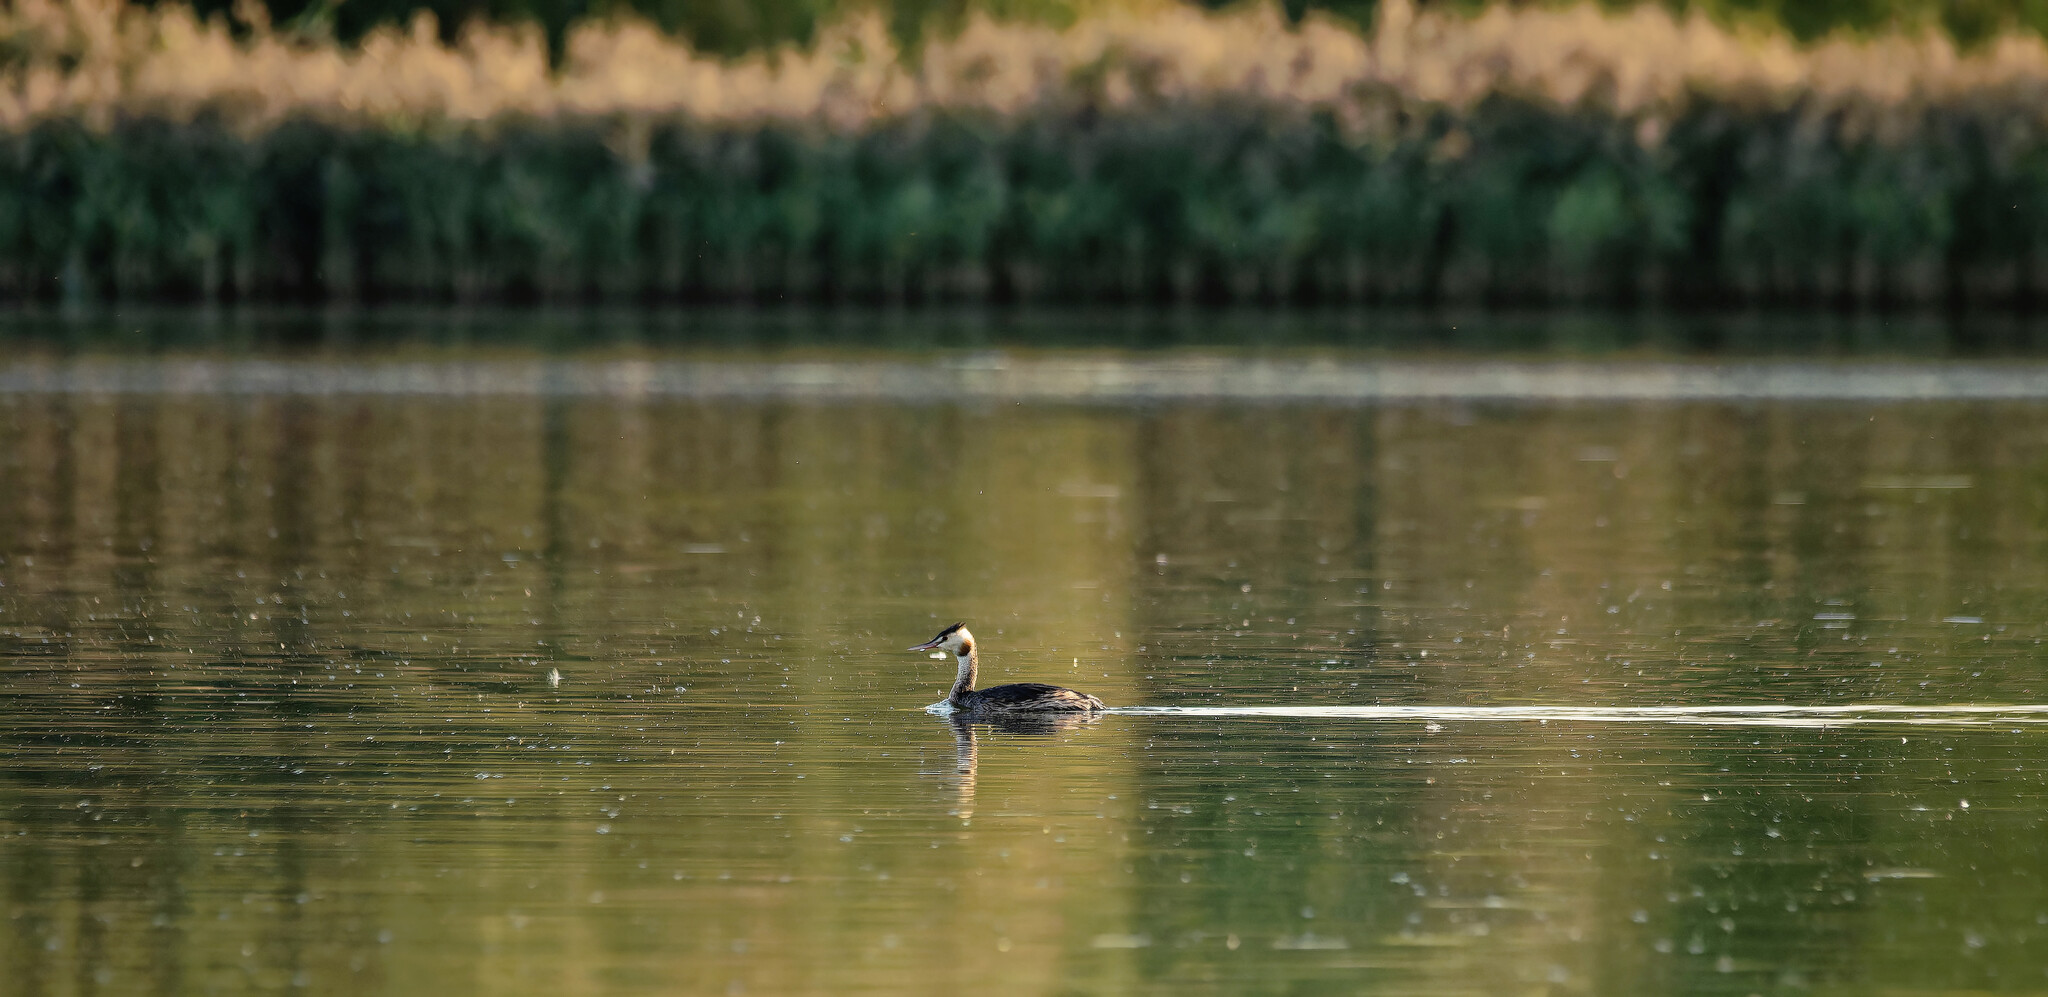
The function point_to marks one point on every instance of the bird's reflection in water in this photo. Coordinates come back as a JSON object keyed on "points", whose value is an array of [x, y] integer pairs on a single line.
{"points": [[966, 751]]}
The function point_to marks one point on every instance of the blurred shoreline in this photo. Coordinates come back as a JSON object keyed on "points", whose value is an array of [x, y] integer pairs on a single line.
{"points": [[1523, 157]]}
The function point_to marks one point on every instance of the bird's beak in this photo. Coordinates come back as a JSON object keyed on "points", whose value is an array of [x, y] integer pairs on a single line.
{"points": [[926, 646]]}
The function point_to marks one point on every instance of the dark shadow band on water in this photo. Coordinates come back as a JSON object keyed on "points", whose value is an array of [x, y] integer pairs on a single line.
{"points": [[1702, 716], [1072, 378], [272, 330]]}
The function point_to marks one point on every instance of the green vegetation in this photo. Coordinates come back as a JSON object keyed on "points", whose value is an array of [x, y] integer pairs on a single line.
{"points": [[1544, 157], [1211, 201]]}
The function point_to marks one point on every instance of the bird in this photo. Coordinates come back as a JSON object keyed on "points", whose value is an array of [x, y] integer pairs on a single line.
{"points": [[1016, 698]]}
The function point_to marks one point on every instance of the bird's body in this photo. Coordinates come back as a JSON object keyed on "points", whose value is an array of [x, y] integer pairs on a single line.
{"points": [[1025, 696], [1016, 698]]}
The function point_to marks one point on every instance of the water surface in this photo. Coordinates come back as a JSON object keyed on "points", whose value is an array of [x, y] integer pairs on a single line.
{"points": [[524, 690]]}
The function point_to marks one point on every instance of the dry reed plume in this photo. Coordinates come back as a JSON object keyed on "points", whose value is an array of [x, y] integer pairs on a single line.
{"points": [[98, 59]]}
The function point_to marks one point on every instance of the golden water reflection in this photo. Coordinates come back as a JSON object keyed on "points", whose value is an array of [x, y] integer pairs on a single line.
{"points": [[277, 712]]}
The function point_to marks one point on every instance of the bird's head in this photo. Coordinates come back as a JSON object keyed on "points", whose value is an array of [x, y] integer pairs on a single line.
{"points": [[953, 640]]}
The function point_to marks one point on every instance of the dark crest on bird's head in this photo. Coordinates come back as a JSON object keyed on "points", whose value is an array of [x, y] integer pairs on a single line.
{"points": [[959, 628]]}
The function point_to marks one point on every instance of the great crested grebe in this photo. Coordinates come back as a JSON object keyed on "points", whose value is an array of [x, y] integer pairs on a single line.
{"points": [[1021, 697]]}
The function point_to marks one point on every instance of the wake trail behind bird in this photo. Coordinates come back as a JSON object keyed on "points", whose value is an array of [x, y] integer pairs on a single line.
{"points": [[1727, 715]]}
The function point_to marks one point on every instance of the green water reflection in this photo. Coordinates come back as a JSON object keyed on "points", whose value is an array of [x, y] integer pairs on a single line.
{"points": [[277, 712]]}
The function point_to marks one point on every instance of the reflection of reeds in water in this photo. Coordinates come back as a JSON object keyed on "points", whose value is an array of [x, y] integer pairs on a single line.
{"points": [[155, 501], [1144, 152]]}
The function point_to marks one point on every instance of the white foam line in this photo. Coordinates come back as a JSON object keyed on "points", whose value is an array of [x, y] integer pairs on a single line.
{"points": [[1066, 379], [1716, 716]]}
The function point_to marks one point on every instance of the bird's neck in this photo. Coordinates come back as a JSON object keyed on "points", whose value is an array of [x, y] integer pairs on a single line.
{"points": [[964, 684]]}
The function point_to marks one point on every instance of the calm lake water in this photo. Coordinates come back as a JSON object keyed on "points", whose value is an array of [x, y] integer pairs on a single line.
{"points": [[461, 671]]}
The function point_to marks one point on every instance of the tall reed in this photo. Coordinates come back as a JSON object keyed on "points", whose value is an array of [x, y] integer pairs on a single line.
{"points": [[1145, 153]]}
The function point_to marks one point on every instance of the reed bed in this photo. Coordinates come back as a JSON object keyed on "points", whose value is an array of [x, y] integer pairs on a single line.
{"points": [[1143, 153]]}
